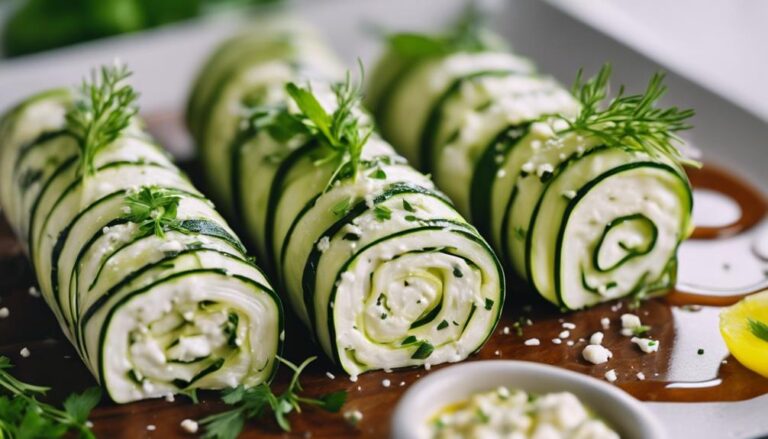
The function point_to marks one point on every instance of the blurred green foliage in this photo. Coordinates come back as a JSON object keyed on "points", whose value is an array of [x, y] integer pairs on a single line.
{"points": [[38, 25]]}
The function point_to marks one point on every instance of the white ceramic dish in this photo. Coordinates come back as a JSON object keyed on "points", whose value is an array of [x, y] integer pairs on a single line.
{"points": [[623, 413]]}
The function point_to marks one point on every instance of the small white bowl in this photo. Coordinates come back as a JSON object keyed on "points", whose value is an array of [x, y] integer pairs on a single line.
{"points": [[628, 416]]}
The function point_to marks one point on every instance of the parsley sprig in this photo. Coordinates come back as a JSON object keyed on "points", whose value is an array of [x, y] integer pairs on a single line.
{"points": [[23, 416], [342, 131], [758, 329], [154, 209], [102, 110], [629, 121], [255, 401]]}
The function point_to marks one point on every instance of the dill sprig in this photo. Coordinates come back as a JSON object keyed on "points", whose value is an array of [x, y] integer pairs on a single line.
{"points": [[23, 416], [342, 131], [468, 34], [102, 110], [153, 209], [629, 121], [250, 403]]}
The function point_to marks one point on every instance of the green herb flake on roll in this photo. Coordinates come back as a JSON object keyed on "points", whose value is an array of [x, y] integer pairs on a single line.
{"points": [[146, 279], [373, 259], [583, 196]]}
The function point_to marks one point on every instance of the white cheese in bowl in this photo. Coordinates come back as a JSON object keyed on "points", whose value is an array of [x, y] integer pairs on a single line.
{"points": [[515, 413]]}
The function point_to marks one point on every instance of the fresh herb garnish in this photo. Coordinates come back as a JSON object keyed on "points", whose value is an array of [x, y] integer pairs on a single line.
{"points": [[629, 121], [382, 213], [153, 209], [342, 207], [758, 329], [23, 416], [101, 112], [641, 330], [488, 304], [442, 325], [424, 350], [407, 206], [342, 131], [253, 403]]}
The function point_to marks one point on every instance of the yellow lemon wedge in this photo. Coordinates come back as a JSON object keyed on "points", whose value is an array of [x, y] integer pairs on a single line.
{"points": [[744, 327]]}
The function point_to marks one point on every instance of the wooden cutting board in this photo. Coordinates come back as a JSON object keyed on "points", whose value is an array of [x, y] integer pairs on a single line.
{"points": [[53, 362]]}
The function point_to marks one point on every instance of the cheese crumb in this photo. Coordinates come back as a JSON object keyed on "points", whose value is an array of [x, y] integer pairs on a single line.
{"points": [[605, 322], [646, 344], [564, 334], [353, 417], [556, 341], [596, 354], [427, 366], [630, 321], [189, 426], [532, 342], [505, 331], [353, 378], [597, 338], [34, 292], [330, 376], [324, 244], [640, 376], [24, 352], [151, 427], [170, 398], [611, 376], [569, 325], [4, 312], [385, 382]]}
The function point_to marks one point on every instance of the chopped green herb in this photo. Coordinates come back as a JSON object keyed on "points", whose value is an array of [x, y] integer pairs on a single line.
{"points": [[640, 330], [103, 110], [442, 325], [351, 237], [408, 340], [383, 316], [758, 329], [482, 417], [250, 403], [153, 209], [488, 304], [700, 351], [519, 233], [424, 350], [652, 343], [342, 207], [382, 213], [457, 272], [378, 174], [407, 206], [411, 218]]}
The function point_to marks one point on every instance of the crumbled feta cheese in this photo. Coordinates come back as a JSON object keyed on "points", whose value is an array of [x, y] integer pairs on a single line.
{"points": [[630, 321], [569, 342], [353, 378], [353, 417], [385, 382], [402, 383], [4, 312], [544, 168], [151, 427], [330, 376], [24, 352], [497, 352], [596, 354], [640, 376], [611, 376], [532, 342], [505, 331], [568, 325], [527, 167], [646, 344], [170, 398], [427, 366], [189, 426], [597, 338], [556, 341], [34, 292], [571, 194], [605, 322], [564, 334], [323, 244]]}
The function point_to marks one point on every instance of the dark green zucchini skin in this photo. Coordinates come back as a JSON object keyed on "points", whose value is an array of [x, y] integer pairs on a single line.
{"points": [[114, 285], [488, 131], [309, 230]]}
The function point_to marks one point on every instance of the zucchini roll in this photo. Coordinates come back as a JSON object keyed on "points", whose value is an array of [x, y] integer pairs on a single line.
{"points": [[586, 202], [374, 260], [146, 279]]}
